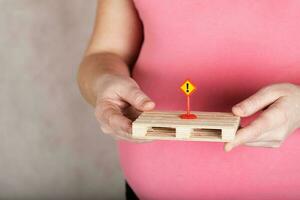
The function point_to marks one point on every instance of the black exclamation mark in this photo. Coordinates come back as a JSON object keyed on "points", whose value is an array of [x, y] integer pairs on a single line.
{"points": [[187, 87]]}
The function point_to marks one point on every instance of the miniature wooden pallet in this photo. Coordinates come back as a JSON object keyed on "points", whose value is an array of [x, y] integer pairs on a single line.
{"points": [[209, 126]]}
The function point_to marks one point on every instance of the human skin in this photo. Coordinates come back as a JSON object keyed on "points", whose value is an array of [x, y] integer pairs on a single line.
{"points": [[104, 81], [104, 74], [275, 123]]}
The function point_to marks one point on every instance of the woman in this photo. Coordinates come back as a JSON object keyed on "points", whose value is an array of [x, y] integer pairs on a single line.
{"points": [[243, 56]]}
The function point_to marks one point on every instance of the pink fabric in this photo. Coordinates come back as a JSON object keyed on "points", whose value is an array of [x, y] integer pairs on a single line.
{"points": [[229, 49]]}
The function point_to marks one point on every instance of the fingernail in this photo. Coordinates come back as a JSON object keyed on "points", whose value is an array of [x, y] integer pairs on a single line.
{"points": [[149, 105], [228, 148], [238, 110]]}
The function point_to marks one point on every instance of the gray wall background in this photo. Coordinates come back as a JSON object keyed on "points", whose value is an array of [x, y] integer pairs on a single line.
{"points": [[50, 144]]}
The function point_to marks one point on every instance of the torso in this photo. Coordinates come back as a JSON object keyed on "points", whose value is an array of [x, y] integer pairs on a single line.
{"points": [[229, 49]]}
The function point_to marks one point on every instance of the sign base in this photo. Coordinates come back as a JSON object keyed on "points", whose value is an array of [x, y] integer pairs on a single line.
{"points": [[188, 116]]}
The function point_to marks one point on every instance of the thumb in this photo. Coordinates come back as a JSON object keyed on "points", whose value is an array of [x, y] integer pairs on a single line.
{"points": [[137, 98]]}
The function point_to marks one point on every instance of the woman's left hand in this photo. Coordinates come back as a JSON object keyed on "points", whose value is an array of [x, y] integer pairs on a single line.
{"points": [[276, 122]]}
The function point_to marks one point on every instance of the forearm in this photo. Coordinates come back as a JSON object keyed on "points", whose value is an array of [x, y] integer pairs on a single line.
{"points": [[114, 45], [95, 65]]}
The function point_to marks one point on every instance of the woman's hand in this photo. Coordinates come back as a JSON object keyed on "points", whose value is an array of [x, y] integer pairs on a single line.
{"points": [[119, 100], [104, 74], [276, 122]]}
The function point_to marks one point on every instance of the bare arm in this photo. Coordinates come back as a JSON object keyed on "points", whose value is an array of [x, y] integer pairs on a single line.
{"points": [[114, 44], [104, 78]]}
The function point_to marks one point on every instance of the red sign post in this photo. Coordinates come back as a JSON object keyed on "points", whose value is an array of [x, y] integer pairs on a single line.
{"points": [[188, 88]]}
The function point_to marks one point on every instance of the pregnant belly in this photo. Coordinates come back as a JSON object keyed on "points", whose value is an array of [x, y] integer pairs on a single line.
{"points": [[219, 87], [201, 170], [228, 56]]}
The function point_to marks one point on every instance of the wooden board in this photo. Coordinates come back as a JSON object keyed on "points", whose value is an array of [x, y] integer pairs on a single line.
{"points": [[209, 126]]}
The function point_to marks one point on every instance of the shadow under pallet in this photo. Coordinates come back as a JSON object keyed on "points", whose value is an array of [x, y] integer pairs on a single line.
{"points": [[209, 126]]}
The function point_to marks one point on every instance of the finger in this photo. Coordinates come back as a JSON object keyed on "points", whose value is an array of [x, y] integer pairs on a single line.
{"points": [[127, 137], [117, 135], [110, 115], [269, 119], [259, 100], [114, 123], [267, 144], [277, 134], [138, 99], [131, 113], [106, 129]]}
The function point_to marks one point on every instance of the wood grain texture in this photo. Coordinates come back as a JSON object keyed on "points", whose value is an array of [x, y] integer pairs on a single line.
{"points": [[167, 125]]}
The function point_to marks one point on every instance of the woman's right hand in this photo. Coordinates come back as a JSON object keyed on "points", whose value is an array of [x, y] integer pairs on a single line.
{"points": [[104, 74], [119, 101]]}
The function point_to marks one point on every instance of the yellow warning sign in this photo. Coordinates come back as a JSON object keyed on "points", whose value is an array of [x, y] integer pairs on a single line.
{"points": [[187, 87]]}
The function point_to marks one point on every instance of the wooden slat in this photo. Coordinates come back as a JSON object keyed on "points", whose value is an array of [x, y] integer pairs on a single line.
{"points": [[194, 112], [209, 126], [184, 124]]}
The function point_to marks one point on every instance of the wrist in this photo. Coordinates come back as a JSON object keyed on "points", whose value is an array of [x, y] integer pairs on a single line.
{"points": [[95, 67]]}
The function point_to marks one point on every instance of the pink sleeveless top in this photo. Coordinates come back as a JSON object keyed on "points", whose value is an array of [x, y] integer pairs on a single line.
{"points": [[229, 49]]}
